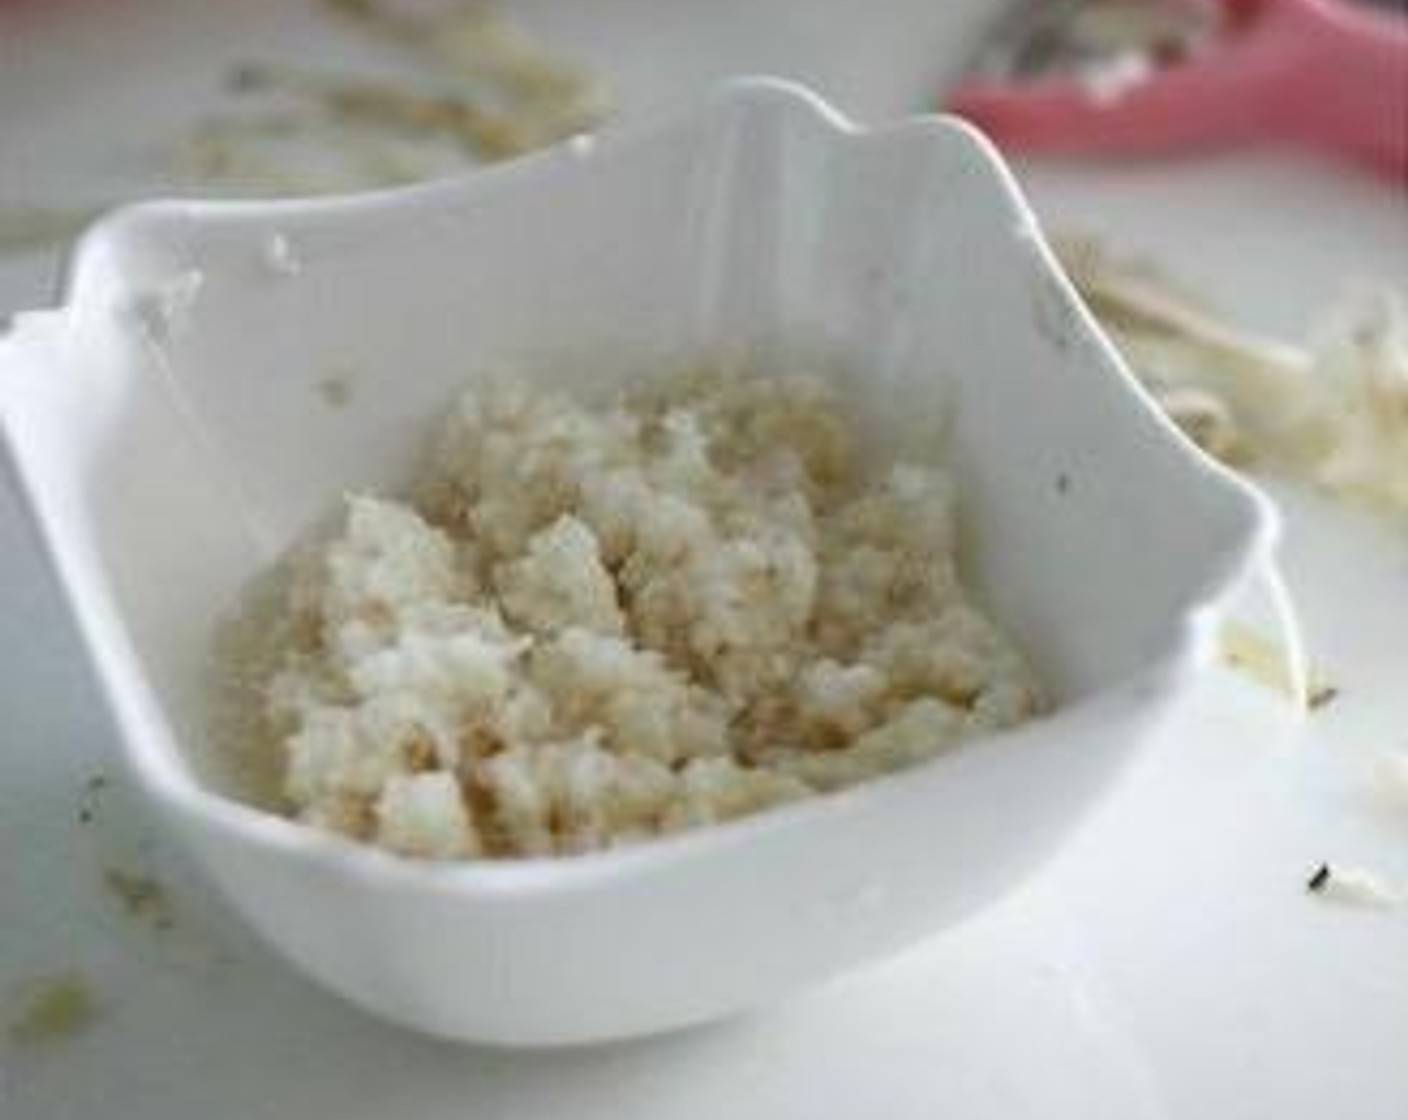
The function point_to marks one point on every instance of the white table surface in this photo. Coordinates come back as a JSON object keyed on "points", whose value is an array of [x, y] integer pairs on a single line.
{"points": [[1168, 964]]}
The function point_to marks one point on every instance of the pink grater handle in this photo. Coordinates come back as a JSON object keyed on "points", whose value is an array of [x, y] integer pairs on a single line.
{"points": [[1349, 88], [1316, 71]]}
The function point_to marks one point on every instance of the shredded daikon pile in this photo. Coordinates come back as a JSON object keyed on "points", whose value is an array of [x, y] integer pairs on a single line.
{"points": [[462, 85], [1332, 412]]}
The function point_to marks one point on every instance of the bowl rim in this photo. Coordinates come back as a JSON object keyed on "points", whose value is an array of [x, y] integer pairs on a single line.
{"points": [[175, 786]]}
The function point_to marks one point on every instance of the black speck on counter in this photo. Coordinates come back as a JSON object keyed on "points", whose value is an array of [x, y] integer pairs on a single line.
{"points": [[88, 802], [1321, 695]]}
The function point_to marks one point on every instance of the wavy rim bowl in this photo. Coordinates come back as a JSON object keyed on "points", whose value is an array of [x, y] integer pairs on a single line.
{"points": [[1250, 526]]}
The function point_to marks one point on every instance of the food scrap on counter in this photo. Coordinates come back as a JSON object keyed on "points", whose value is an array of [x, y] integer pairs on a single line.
{"points": [[54, 1008], [1351, 886]]}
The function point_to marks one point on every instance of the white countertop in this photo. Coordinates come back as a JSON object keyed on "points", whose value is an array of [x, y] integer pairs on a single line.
{"points": [[1168, 964]]}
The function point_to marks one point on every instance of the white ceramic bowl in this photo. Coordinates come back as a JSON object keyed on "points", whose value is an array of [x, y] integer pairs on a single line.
{"points": [[168, 429]]}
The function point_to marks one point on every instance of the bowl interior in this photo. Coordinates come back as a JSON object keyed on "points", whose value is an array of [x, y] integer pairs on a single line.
{"points": [[222, 372]]}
